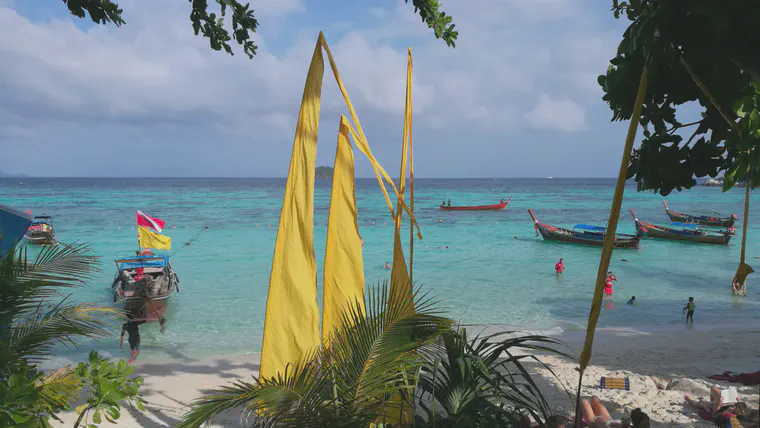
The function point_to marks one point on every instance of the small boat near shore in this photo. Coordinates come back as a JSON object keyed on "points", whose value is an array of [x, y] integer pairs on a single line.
{"points": [[41, 231], [582, 234], [494, 207], [144, 284], [687, 232], [704, 220]]}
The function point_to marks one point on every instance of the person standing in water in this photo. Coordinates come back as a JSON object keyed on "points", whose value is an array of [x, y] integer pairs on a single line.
{"points": [[449, 201], [559, 267], [387, 265], [132, 328], [608, 283], [689, 309], [632, 301]]}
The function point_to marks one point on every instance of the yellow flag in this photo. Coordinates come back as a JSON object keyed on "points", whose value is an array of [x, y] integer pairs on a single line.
{"points": [[291, 326], [344, 269], [401, 285], [148, 239]]}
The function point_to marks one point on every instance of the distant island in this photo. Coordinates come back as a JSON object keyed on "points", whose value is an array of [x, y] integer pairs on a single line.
{"points": [[324, 172], [2, 174]]}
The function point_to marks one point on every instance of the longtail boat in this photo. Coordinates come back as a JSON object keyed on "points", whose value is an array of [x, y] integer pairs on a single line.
{"points": [[704, 220], [494, 207], [681, 232], [144, 284], [582, 234], [41, 231]]}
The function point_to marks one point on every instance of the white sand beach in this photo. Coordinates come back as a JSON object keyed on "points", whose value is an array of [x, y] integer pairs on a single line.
{"points": [[661, 366]]}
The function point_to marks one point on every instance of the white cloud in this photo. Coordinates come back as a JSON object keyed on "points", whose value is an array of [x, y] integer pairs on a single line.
{"points": [[153, 75], [561, 115]]}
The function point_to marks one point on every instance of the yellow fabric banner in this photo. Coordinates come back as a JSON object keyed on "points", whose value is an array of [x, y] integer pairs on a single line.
{"points": [[401, 286], [153, 240], [344, 269], [291, 326]]}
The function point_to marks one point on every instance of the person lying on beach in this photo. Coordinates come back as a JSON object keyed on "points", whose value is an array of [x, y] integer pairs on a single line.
{"points": [[595, 415], [749, 379], [722, 406]]}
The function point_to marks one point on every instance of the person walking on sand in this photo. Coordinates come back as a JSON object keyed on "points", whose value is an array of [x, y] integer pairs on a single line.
{"points": [[559, 267], [689, 309], [132, 328]]}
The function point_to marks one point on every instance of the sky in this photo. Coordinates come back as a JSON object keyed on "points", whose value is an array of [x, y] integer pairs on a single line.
{"points": [[517, 97]]}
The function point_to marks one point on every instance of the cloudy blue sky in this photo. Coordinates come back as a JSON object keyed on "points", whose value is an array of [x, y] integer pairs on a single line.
{"points": [[517, 98]]}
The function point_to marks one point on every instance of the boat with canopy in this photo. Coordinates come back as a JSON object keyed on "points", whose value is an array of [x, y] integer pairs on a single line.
{"points": [[41, 231], [144, 282], [582, 234], [705, 220], [494, 207], [688, 232]]}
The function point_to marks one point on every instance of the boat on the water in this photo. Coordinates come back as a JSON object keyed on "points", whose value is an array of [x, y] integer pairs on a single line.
{"points": [[494, 207], [582, 234], [704, 220], [688, 232], [41, 231], [143, 284]]}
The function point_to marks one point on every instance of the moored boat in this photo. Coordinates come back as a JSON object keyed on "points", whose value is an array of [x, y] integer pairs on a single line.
{"points": [[41, 231], [688, 232], [704, 220], [144, 284], [493, 207], [582, 234]]}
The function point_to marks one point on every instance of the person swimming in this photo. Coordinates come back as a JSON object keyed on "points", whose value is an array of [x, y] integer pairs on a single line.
{"points": [[632, 301], [559, 266], [387, 265]]}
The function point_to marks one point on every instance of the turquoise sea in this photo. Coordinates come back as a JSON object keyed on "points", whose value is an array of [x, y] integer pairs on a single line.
{"points": [[494, 271]]}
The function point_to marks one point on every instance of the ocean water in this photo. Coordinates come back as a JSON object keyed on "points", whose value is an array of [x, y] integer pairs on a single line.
{"points": [[494, 271]]}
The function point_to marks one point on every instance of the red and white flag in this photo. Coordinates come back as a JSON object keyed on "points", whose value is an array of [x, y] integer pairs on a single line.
{"points": [[147, 221]]}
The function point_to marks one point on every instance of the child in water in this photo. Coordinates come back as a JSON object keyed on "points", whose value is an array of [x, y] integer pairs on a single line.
{"points": [[632, 301], [560, 266], [689, 309]]}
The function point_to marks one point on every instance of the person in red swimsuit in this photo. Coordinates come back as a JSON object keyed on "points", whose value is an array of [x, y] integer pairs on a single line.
{"points": [[608, 283], [560, 266]]}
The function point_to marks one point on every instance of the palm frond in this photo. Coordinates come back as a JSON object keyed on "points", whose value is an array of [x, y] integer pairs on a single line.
{"points": [[34, 336], [348, 383], [483, 381], [57, 388]]}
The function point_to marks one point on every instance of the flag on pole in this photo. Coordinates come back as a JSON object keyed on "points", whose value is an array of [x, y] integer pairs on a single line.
{"points": [[148, 239], [145, 220]]}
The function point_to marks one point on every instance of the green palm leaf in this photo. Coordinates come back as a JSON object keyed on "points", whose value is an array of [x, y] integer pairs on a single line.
{"points": [[348, 383], [34, 315]]}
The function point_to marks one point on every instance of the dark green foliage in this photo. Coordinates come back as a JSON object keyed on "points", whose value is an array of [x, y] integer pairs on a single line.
{"points": [[432, 15], [390, 351], [107, 385], [243, 21], [482, 382], [34, 317], [717, 40]]}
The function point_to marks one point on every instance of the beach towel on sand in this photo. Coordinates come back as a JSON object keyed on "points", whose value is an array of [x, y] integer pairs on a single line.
{"points": [[616, 383]]}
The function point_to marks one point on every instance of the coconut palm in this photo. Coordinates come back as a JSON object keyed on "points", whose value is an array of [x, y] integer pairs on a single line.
{"points": [[374, 368], [36, 316]]}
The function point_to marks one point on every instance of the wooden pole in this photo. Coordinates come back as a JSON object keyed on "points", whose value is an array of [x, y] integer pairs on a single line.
{"points": [[609, 238]]}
